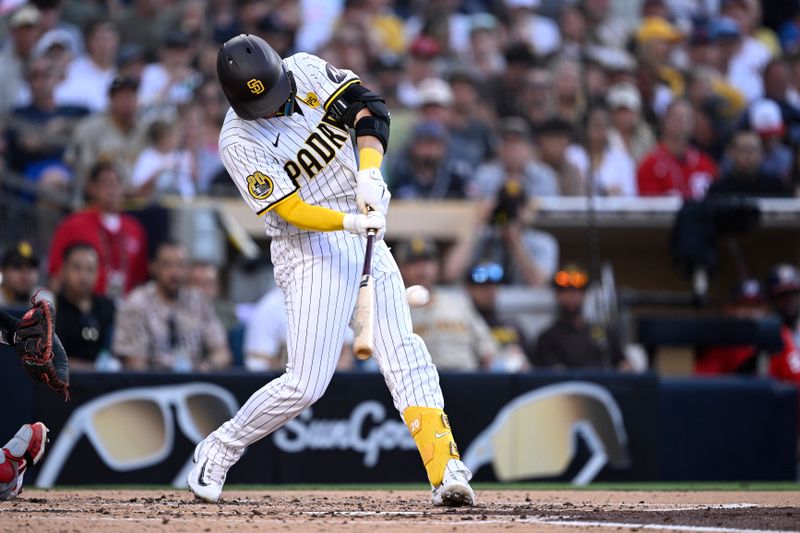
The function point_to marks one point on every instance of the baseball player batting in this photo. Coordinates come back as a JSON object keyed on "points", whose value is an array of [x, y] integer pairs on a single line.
{"points": [[284, 143], [44, 359]]}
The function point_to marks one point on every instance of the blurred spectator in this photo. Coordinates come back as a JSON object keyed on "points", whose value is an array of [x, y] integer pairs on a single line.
{"points": [[605, 168], [754, 51], [470, 137], [224, 21], [147, 22], [53, 21], [570, 342], [745, 301], [790, 30], [443, 21], [131, 61], [574, 31], [537, 97], [782, 89], [426, 169], [118, 238], [19, 277], [674, 167], [711, 128], [201, 126], [89, 76], [24, 28], [515, 162], [746, 176], [40, 132], [705, 85], [552, 140], [56, 46], [83, 319], [164, 167], [764, 116], [783, 290], [171, 80], [114, 136], [630, 132], [420, 65], [265, 336], [485, 54], [604, 28], [656, 39], [525, 25], [435, 101], [166, 325], [454, 332], [528, 256], [482, 284], [204, 277], [505, 89], [194, 21], [278, 33], [737, 63], [470, 132], [568, 90]]}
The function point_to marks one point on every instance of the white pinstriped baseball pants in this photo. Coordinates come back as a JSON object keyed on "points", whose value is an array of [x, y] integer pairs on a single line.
{"points": [[319, 274]]}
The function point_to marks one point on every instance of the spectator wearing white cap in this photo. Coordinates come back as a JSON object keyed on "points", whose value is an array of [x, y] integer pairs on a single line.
{"points": [[57, 46], [470, 137], [629, 131], [764, 116], [24, 27]]}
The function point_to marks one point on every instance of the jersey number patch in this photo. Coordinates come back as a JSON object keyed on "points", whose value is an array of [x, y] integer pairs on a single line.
{"points": [[259, 185]]}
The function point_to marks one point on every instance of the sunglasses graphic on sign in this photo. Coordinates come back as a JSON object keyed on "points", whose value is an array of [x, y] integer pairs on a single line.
{"points": [[536, 434], [135, 428]]}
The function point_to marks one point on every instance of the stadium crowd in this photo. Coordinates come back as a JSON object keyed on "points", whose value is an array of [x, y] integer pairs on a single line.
{"points": [[108, 107]]}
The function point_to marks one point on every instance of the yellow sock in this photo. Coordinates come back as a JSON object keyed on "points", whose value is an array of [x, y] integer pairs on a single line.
{"points": [[431, 431]]}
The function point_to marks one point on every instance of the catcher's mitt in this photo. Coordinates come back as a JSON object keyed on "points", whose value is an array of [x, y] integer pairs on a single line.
{"points": [[43, 357]]}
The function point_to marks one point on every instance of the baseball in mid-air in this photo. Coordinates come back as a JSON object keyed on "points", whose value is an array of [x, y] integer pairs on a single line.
{"points": [[417, 295]]}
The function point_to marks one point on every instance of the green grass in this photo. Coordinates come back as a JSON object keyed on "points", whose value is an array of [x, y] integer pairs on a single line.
{"points": [[650, 486]]}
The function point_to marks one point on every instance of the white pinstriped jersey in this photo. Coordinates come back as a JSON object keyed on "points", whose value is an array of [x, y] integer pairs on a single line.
{"points": [[270, 159], [319, 273]]}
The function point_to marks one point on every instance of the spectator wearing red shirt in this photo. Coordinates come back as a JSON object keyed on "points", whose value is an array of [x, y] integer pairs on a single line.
{"points": [[746, 301], [119, 239], [674, 167], [783, 286]]}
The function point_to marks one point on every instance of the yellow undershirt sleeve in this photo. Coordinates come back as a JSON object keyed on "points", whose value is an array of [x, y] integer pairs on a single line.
{"points": [[309, 217], [369, 158]]}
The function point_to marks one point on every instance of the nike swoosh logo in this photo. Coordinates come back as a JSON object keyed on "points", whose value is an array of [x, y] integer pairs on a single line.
{"points": [[202, 475], [440, 435], [278, 138]]}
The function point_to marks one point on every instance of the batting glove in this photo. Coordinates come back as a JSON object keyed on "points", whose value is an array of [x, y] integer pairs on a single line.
{"points": [[361, 224], [371, 191]]}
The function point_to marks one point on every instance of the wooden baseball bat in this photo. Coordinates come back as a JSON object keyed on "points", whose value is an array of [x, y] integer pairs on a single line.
{"points": [[364, 317]]}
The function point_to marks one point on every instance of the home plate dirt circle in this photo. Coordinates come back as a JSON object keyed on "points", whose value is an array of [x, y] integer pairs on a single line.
{"points": [[401, 510]]}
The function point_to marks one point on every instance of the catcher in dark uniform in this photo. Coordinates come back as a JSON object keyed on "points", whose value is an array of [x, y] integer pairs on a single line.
{"points": [[45, 361]]}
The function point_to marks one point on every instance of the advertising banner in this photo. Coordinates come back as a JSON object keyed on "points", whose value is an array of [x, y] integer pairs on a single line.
{"points": [[141, 428]]}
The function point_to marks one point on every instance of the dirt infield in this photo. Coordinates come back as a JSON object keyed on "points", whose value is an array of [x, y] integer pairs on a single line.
{"points": [[403, 510]]}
